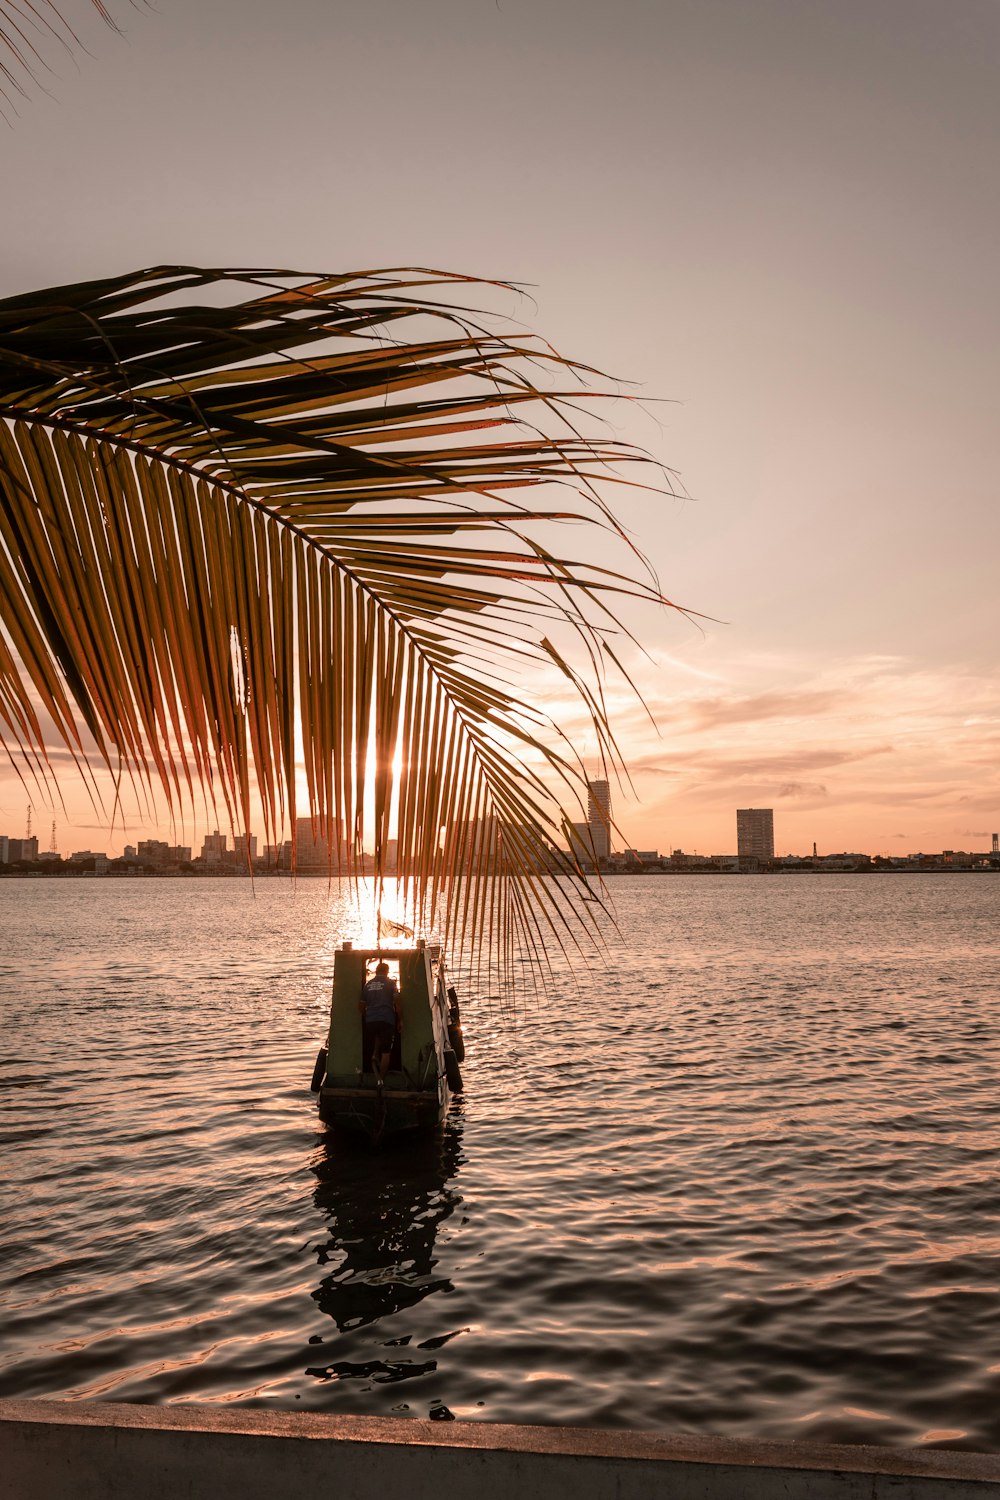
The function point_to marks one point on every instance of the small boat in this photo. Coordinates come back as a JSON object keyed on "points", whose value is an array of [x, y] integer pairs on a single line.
{"points": [[424, 1067]]}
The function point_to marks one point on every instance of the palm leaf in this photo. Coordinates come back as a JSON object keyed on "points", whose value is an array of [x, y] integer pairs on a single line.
{"points": [[267, 527], [30, 30]]}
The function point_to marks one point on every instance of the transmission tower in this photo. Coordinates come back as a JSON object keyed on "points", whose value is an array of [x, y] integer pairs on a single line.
{"points": [[27, 831], [52, 840]]}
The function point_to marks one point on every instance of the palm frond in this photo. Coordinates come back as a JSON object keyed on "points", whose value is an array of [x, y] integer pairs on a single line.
{"points": [[267, 529], [30, 32]]}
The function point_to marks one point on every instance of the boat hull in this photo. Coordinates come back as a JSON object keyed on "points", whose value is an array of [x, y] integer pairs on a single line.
{"points": [[394, 1111]]}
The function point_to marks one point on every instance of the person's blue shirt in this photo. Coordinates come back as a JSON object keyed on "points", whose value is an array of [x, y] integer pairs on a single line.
{"points": [[378, 997]]}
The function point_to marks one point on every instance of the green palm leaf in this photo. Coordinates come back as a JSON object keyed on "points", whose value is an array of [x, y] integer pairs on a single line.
{"points": [[268, 528]]}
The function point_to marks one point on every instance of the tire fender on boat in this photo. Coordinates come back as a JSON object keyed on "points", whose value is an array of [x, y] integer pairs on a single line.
{"points": [[319, 1071], [452, 1071], [457, 1041], [455, 1038]]}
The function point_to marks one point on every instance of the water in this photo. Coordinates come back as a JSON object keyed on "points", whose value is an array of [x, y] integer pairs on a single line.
{"points": [[741, 1183]]}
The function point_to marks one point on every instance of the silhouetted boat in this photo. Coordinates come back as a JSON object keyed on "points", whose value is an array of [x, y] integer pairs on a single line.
{"points": [[424, 1068]]}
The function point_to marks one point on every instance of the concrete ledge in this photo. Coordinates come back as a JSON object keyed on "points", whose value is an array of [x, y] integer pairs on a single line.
{"points": [[91, 1451]]}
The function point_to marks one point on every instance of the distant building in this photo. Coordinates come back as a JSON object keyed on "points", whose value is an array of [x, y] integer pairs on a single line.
{"points": [[4, 849], [278, 856], [244, 849], [154, 851], [312, 850], [754, 835], [599, 817], [842, 861], [213, 849], [729, 863], [581, 845], [22, 849], [681, 861], [90, 859]]}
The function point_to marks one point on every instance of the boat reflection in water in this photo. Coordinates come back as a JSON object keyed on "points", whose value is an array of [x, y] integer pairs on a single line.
{"points": [[379, 1261]]}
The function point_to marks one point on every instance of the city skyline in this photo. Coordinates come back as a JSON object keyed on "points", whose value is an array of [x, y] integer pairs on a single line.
{"points": [[626, 828], [591, 842]]}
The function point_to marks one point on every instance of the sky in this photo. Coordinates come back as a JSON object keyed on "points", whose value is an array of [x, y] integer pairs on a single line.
{"points": [[777, 219]]}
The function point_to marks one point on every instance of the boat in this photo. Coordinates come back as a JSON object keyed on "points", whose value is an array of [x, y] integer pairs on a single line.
{"points": [[424, 1069]]}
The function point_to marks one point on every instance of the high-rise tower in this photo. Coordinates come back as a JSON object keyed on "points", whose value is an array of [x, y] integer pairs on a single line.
{"points": [[755, 834], [599, 817]]}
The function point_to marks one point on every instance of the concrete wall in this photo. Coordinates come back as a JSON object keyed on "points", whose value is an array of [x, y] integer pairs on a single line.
{"points": [[52, 1450]]}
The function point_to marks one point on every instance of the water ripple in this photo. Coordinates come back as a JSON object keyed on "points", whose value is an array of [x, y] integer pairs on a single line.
{"points": [[742, 1182]]}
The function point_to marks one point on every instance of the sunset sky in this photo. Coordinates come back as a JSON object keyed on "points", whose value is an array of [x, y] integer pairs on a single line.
{"points": [[780, 217]]}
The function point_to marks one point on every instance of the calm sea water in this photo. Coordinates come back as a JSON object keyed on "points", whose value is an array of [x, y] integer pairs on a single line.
{"points": [[742, 1182]]}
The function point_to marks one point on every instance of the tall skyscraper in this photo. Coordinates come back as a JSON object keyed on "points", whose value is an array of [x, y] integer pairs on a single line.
{"points": [[599, 817], [755, 833]]}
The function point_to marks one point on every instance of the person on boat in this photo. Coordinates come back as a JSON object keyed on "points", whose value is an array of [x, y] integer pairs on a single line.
{"points": [[379, 1007]]}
